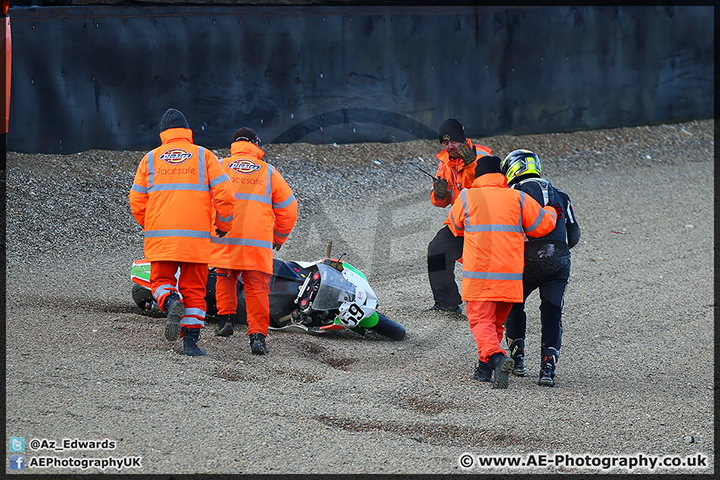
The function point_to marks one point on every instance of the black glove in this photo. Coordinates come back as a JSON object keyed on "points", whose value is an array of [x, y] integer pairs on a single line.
{"points": [[468, 156], [558, 209], [440, 185], [220, 233]]}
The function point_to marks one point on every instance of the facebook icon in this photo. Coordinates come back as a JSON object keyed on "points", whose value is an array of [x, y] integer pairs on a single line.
{"points": [[17, 462]]}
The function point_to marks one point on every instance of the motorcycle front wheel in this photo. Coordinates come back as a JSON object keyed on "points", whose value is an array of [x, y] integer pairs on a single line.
{"points": [[388, 328]]}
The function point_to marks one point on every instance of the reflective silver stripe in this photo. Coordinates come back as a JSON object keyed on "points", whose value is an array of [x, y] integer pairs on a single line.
{"points": [[492, 275], [286, 203], [452, 217], [224, 219], [463, 198], [281, 235], [201, 165], [254, 198], [248, 242], [200, 186], [268, 186], [538, 220], [176, 233], [217, 180], [164, 289], [195, 311], [494, 228], [488, 227], [522, 205], [151, 168], [139, 189], [192, 321], [195, 187]]}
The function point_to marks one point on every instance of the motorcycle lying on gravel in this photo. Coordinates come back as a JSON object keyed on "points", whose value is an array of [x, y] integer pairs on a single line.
{"points": [[309, 297]]}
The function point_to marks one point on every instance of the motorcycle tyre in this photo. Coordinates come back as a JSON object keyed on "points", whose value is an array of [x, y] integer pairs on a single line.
{"points": [[388, 328], [142, 297]]}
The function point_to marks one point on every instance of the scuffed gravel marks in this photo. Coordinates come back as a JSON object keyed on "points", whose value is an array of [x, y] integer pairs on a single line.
{"points": [[635, 371]]}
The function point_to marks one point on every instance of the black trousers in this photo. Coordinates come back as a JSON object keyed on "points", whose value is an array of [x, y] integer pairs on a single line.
{"points": [[551, 284], [443, 251]]}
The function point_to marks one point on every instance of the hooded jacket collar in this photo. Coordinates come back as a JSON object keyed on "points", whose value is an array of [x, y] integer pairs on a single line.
{"points": [[490, 180], [243, 147], [176, 134]]}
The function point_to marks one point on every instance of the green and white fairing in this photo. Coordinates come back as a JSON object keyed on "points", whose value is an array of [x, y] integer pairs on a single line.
{"points": [[140, 272], [348, 292]]}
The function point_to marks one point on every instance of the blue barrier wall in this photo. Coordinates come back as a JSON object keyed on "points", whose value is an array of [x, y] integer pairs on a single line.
{"points": [[101, 77]]}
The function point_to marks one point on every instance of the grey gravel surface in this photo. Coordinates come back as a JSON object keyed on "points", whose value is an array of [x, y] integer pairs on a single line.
{"points": [[636, 368]]}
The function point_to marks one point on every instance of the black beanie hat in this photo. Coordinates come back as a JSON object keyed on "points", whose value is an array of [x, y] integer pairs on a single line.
{"points": [[487, 164], [452, 130], [173, 119], [247, 134]]}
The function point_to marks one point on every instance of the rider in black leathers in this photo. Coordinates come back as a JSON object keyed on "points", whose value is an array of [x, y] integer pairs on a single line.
{"points": [[547, 265]]}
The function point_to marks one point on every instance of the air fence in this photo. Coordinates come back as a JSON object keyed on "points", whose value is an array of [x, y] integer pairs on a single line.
{"points": [[101, 77]]}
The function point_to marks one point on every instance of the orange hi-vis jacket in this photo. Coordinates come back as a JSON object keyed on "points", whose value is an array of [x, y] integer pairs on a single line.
{"points": [[495, 219], [457, 174], [177, 188], [265, 212]]}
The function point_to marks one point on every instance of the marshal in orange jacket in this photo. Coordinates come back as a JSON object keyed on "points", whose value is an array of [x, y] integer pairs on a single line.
{"points": [[457, 174], [177, 187], [494, 218], [265, 212]]}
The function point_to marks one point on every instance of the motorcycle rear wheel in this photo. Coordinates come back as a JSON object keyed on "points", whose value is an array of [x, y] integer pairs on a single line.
{"points": [[142, 297], [388, 328]]}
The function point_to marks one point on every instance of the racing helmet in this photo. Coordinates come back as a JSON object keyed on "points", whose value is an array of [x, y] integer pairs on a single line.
{"points": [[520, 162]]}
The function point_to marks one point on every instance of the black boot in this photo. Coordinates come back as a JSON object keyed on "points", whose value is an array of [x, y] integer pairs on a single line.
{"points": [[483, 372], [503, 366], [517, 353], [226, 326], [257, 344], [175, 311], [190, 339], [547, 367], [445, 308]]}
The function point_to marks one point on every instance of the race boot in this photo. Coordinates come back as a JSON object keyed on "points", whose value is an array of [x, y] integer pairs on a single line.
{"points": [[457, 309], [547, 367], [483, 372], [175, 311], [226, 326], [257, 344], [190, 339], [517, 353], [502, 366]]}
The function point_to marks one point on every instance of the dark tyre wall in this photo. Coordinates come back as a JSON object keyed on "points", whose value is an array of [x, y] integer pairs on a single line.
{"points": [[101, 77]]}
